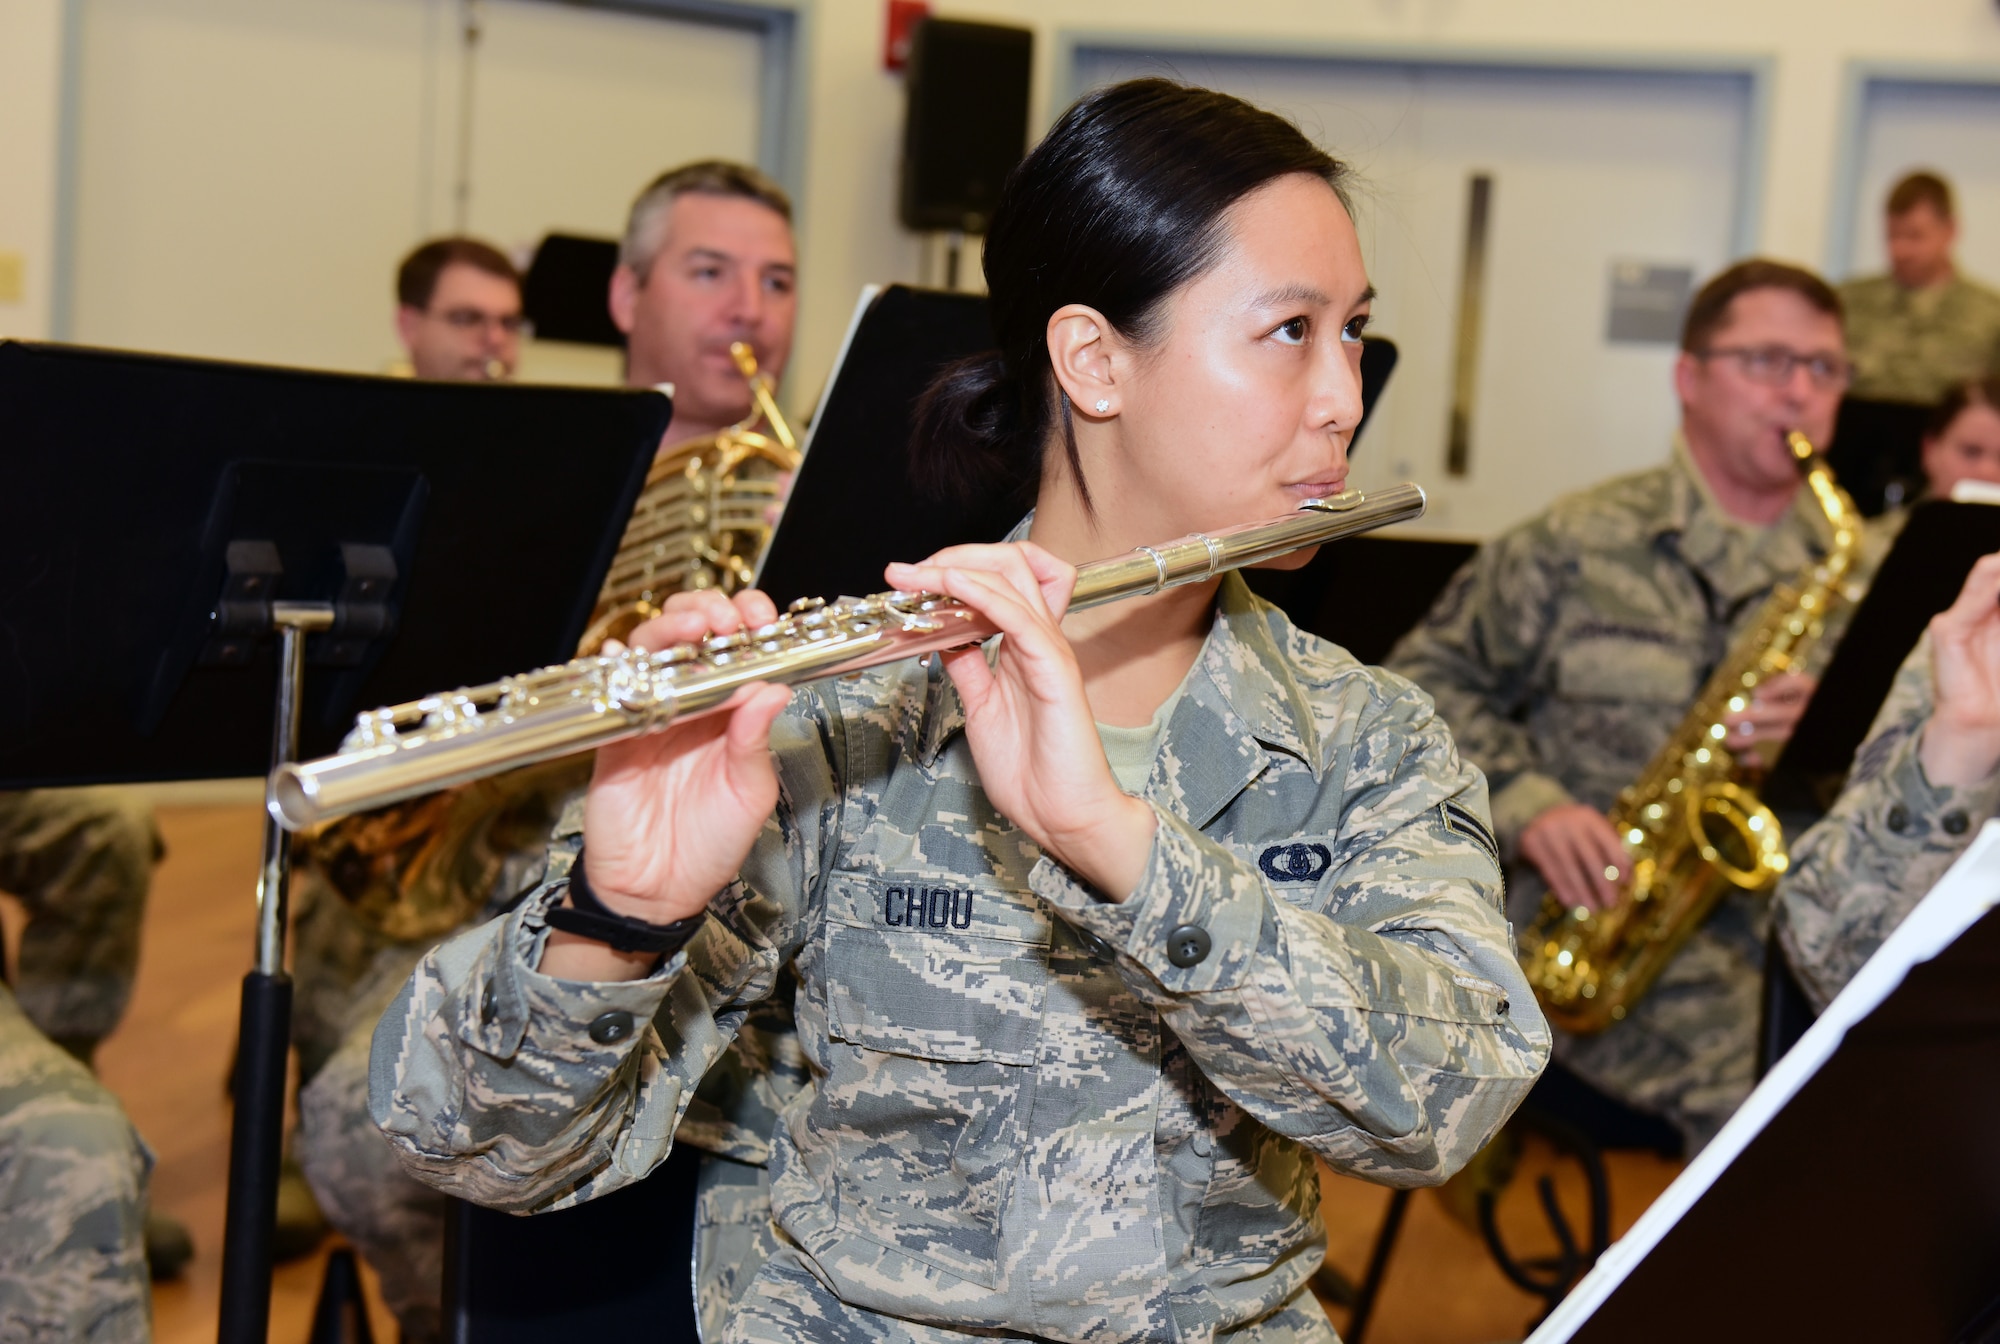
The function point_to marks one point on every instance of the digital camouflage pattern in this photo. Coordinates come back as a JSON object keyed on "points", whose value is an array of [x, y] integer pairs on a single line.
{"points": [[396, 1222], [80, 860], [1023, 1115], [1857, 874], [1563, 655], [1917, 344], [73, 1177]]}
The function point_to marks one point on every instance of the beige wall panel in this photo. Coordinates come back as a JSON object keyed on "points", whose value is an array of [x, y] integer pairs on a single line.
{"points": [[249, 172], [577, 109], [247, 175]]}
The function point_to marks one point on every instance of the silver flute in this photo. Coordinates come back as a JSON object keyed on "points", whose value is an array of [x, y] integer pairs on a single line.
{"points": [[459, 736]]}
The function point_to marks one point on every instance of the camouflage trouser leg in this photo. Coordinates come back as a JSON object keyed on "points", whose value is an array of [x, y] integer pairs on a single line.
{"points": [[1687, 1051], [72, 1199], [332, 951], [786, 1303], [80, 860], [395, 1221]]}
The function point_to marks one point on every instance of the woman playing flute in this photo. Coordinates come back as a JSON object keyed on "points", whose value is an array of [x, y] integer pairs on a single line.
{"points": [[1103, 931]]}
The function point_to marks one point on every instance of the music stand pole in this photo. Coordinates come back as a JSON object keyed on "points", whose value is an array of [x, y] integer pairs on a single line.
{"points": [[257, 1132]]}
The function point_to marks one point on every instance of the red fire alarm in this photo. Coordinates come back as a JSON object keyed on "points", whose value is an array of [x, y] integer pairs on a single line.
{"points": [[904, 15]]}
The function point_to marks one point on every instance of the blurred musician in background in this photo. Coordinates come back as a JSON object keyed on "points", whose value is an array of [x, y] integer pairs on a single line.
{"points": [[1962, 443], [1924, 781], [1566, 653], [458, 311], [1923, 327], [707, 259]]}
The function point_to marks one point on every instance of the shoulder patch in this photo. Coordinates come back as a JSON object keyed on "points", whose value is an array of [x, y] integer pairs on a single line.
{"points": [[1463, 821]]}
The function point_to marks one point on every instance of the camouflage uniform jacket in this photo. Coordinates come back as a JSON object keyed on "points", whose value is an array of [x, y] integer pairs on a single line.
{"points": [[1915, 345], [1887, 841], [1026, 1113]]}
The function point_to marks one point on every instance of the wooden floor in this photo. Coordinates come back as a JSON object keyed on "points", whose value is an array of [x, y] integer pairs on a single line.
{"points": [[168, 1061]]}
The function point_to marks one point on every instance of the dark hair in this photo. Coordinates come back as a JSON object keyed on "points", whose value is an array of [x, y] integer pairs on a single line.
{"points": [[1709, 312], [417, 277], [1973, 392], [1921, 188], [645, 225], [1121, 204]]}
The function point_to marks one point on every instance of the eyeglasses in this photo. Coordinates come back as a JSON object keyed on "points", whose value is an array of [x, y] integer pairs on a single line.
{"points": [[1772, 365], [472, 319]]}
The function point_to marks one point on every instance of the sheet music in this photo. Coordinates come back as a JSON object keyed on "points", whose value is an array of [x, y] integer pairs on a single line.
{"points": [[1968, 890]]}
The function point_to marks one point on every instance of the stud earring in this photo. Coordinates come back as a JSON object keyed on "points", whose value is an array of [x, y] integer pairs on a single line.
{"points": [[1102, 405]]}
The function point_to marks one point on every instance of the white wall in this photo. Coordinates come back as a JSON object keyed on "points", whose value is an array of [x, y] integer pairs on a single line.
{"points": [[853, 109], [30, 105]]}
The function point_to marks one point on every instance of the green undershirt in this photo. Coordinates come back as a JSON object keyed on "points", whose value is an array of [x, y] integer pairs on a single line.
{"points": [[1131, 750]]}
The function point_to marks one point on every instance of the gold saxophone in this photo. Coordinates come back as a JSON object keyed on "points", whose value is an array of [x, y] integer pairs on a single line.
{"points": [[419, 868], [1693, 829]]}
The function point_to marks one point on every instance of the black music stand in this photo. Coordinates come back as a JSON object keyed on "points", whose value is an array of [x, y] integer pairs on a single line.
{"points": [[1920, 577], [161, 519], [1856, 1194], [853, 507], [1877, 451]]}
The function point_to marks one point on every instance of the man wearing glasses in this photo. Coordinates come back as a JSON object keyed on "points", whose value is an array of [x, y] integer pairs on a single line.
{"points": [[1570, 648], [458, 311]]}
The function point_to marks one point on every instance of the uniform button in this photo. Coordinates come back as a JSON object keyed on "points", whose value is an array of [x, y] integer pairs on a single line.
{"points": [[612, 1027], [1100, 948], [1188, 945], [489, 1006], [1955, 822], [1898, 818]]}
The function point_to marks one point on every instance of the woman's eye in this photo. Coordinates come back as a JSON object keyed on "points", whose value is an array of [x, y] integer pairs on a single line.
{"points": [[1355, 326], [1293, 332]]}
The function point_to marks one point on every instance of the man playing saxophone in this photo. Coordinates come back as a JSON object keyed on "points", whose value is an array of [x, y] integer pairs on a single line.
{"points": [[707, 261], [1567, 652]]}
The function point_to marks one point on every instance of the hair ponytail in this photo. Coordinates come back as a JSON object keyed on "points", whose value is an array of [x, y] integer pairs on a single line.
{"points": [[969, 441]]}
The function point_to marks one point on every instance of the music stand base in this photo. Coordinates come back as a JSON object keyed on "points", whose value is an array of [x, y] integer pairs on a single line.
{"points": [[256, 1144]]}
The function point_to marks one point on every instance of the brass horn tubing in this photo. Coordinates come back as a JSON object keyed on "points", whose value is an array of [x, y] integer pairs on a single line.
{"points": [[760, 391]]}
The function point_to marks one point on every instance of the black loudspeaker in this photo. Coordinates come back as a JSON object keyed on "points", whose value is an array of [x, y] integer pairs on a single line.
{"points": [[967, 121], [566, 293]]}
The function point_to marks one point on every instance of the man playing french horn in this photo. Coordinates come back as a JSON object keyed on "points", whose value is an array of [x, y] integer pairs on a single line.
{"points": [[1570, 650], [705, 293]]}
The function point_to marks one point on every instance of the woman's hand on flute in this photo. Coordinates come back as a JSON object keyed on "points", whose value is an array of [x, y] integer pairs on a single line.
{"points": [[1027, 717], [670, 816]]}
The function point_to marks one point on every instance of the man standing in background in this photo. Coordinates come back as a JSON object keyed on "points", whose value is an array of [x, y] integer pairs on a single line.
{"points": [[1922, 329], [458, 311], [707, 260]]}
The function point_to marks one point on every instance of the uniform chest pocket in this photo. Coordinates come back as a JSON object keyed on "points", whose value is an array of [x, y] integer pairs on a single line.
{"points": [[1625, 670], [934, 1000], [935, 993]]}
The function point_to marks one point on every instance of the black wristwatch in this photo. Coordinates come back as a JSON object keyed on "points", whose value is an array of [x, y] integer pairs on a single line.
{"points": [[588, 917]]}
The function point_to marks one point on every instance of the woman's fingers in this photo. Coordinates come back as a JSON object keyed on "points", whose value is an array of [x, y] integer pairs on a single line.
{"points": [[1030, 570], [690, 616], [755, 607]]}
